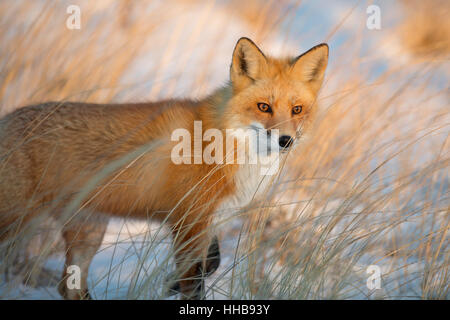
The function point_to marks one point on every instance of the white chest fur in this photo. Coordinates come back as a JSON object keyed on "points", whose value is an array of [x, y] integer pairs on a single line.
{"points": [[250, 184]]}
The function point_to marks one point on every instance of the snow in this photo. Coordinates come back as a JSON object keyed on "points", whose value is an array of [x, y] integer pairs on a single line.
{"points": [[135, 256]]}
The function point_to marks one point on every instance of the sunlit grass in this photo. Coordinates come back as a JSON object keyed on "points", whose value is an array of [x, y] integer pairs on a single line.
{"points": [[369, 186]]}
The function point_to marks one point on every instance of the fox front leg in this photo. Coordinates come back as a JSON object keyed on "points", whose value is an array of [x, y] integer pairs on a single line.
{"points": [[211, 264]]}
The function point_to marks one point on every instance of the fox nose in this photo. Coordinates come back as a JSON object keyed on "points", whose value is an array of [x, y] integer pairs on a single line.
{"points": [[285, 142]]}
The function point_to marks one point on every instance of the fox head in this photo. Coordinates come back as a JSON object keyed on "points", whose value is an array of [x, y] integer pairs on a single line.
{"points": [[272, 93]]}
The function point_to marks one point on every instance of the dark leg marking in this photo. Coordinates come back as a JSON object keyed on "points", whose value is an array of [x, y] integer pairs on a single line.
{"points": [[198, 284]]}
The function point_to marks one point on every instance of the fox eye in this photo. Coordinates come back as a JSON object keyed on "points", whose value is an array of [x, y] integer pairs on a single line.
{"points": [[264, 107], [297, 109]]}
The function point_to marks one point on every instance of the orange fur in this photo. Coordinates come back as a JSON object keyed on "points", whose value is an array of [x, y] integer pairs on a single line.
{"points": [[75, 160]]}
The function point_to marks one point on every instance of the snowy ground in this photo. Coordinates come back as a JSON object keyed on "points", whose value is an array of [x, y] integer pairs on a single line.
{"points": [[134, 261], [122, 267]]}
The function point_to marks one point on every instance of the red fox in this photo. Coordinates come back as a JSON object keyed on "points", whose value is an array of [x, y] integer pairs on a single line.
{"points": [[82, 163]]}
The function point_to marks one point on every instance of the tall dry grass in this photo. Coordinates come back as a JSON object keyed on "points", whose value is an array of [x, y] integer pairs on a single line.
{"points": [[369, 186]]}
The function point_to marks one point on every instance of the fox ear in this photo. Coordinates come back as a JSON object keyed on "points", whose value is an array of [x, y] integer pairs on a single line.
{"points": [[247, 64], [310, 66]]}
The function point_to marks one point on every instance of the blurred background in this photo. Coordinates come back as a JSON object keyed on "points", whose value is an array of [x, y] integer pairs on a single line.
{"points": [[370, 188]]}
